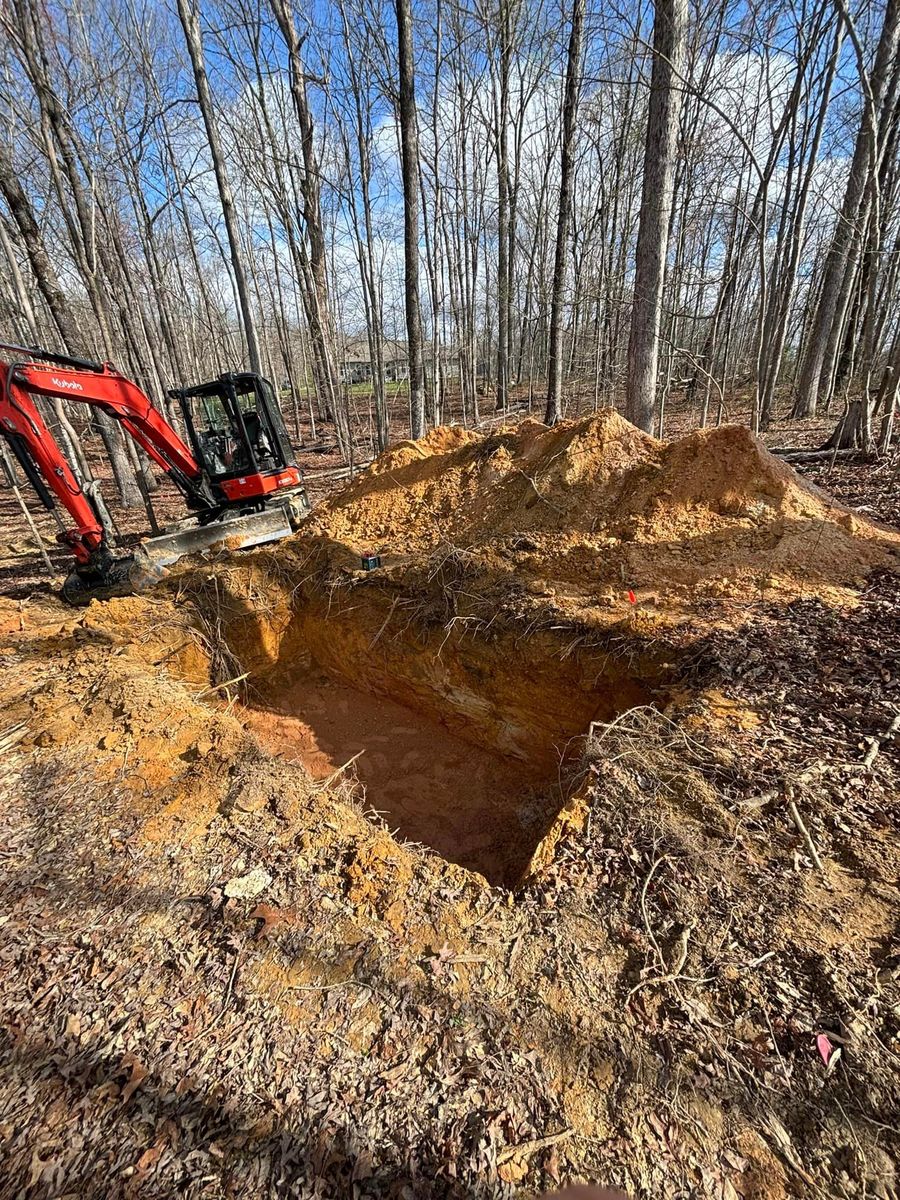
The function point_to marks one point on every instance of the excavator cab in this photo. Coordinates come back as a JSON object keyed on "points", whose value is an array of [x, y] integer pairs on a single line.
{"points": [[237, 432]]}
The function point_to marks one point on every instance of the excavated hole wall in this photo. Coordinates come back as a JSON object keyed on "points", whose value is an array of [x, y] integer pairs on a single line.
{"points": [[460, 734]]}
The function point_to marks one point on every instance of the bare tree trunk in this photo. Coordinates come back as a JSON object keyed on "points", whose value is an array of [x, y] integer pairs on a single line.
{"points": [[369, 274], [318, 301], [190, 22], [409, 150], [829, 315], [503, 279], [656, 207], [570, 112], [776, 336], [66, 434], [436, 255], [64, 318], [38, 258], [888, 395]]}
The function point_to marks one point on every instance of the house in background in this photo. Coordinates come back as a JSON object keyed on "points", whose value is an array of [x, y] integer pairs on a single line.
{"points": [[356, 362]]}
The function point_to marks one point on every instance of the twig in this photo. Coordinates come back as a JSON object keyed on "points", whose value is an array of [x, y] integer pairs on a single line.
{"points": [[327, 987], [757, 962], [806, 835], [783, 1145], [481, 920], [784, 1070], [221, 1013], [674, 976], [538, 492], [384, 623], [227, 683], [12, 735], [526, 1148], [326, 783]]}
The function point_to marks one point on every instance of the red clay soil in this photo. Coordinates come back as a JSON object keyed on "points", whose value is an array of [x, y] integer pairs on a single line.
{"points": [[475, 808]]}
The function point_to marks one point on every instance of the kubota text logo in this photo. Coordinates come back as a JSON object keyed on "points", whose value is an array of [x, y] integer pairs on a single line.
{"points": [[72, 384]]}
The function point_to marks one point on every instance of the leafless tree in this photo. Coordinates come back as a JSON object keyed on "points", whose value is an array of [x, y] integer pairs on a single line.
{"points": [[570, 111], [669, 30], [190, 21], [409, 150]]}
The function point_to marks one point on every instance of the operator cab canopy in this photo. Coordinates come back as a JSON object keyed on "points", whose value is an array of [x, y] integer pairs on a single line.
{"points": [[235, 426]]}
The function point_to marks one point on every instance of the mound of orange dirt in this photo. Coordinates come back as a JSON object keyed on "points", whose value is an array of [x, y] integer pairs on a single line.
{"points": [[598, 502]]}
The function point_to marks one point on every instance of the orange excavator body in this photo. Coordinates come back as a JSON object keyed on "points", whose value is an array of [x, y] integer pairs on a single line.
{"points": [[237, 475]]}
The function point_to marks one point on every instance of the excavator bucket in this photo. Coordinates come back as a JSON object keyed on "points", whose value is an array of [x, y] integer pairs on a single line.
{"points": [[144, 567]]}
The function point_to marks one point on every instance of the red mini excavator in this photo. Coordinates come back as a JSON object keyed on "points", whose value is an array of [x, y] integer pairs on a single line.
{"points": [[238, 476]]}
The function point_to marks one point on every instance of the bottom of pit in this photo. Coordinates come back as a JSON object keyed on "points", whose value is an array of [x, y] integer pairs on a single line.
{"points": [[485, 811]]}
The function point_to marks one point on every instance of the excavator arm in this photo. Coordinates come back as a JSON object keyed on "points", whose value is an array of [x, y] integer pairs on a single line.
{"points": [[103, 387], [46, 469]]}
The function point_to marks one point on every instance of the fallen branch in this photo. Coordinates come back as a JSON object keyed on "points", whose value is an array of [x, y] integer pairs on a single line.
{"points": [[806, 835], [799, 455]]}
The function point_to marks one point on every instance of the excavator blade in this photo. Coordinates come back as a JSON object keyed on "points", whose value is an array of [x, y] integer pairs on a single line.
{"points": [[234, 533], [144, 567]]}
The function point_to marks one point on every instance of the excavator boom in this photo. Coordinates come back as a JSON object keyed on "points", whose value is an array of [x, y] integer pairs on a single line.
{"points": [[104, 388]]}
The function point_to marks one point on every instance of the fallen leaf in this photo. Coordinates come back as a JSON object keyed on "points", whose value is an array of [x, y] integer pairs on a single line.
{"points": [[270, 917], [138, 1074], [825, 1048], [149, 1158]]}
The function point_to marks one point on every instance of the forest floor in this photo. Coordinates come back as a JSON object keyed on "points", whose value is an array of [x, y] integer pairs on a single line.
{"points": [[562, 847]]}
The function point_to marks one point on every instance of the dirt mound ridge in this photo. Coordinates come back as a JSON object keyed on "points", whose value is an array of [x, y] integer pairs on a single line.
{"points": [[455, 485], [599, 499]]}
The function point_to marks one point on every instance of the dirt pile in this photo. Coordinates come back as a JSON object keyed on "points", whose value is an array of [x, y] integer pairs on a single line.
{"points": [[596, 501]]}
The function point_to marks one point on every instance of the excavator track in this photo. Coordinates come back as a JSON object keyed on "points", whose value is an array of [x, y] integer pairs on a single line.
{"points": [[116, 580]]}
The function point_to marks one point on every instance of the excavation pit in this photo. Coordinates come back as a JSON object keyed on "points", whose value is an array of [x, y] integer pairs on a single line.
{"points": [[459, 729], [530, 582], [480, 809], [462, 743]]}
